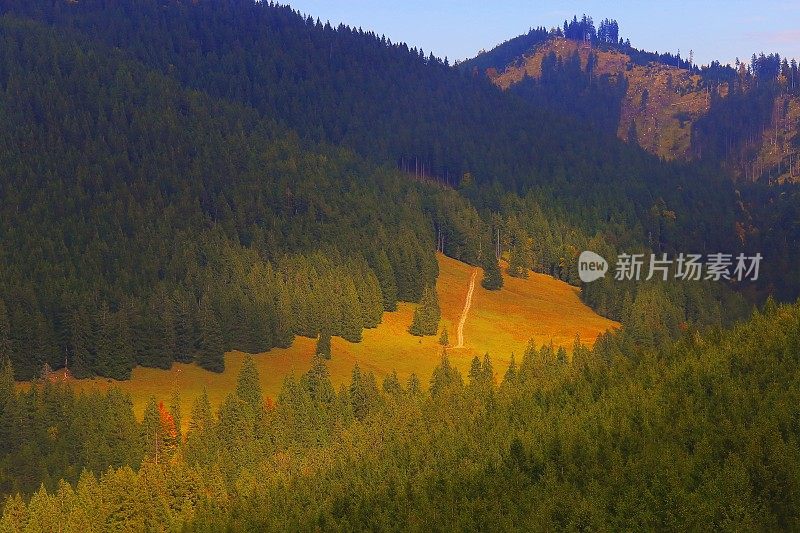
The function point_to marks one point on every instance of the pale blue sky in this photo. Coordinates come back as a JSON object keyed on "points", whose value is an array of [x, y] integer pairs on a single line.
{"points": [[458, 29]]}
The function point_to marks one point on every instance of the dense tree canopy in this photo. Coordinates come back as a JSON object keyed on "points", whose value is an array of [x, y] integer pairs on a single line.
{"points": [[676, 434]]}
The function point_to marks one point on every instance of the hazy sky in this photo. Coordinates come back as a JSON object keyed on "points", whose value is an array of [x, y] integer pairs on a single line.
{"points": [[458, 29]]}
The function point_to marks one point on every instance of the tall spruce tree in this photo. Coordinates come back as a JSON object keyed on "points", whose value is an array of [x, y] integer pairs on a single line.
{"points": [[209, 345], [386, 280], [5, 334], [352, 320], [183, 326], [323, 348], [248, 385], [427, 315], [492, 277], [79, 342]]}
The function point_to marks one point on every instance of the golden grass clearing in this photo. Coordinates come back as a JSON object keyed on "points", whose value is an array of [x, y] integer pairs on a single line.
{"points": [[502, 322]]}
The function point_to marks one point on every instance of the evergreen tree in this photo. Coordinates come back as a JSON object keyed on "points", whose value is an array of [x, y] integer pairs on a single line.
{"points": [[183, 327], [518, 258], [79, 342], [519, 254], [511, 373], [114, 356], [150, 431], [352, 320], [444, 340], [561, 355], [427, 315], [7, 389], [5, 335], [487, 371], [317, 382], [492, 277], [386, 280], [201, 419], [369, 295], [445, 376], [363, 393], [248, 385], [209, 347], [175, 412], [283, 323], [413, 386], [475, 373], [391, 385], [358, 394], [323, 348]]}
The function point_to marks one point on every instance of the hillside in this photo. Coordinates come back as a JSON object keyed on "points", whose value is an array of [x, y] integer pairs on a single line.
{"points": [[661, 104], [700, 434], [500, 323], [241, 253], [163, 205]]}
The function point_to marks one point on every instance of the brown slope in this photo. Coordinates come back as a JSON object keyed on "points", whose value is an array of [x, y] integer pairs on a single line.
{"points": [[663, 120]]}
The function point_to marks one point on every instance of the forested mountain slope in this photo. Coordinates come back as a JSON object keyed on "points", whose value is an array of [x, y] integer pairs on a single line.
{"points": [[742, 120], [143, 223], [747, 117], [187, 178], [394, 104], [700, 434]]}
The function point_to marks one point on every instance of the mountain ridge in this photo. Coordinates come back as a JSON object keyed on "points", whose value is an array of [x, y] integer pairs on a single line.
{"points": [[665, 98]]}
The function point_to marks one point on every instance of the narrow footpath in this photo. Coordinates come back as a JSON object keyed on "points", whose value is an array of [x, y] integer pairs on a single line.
{"points": [[464, 313]]}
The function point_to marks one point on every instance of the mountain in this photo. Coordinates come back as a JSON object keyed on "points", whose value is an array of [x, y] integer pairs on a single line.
{"points": [[189, 172], [746, 117], [182, 180]]}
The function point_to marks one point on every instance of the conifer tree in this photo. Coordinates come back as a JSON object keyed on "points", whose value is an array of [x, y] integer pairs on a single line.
{"points": [[475, 371], [123, 357], [413, 386], [323, 349], [444, 339], [511, 373], [358, 394], [201, 418], [487, 371], [445, 376], [352, 320], [426, 315], [5, 334], [79, 342], [492, 277], [579, 354], [369, 295], [391, 384], [235, 426], [386, 280], [317, 382], [155, 338], [248, 385], [283, 323], [517, 261], [150, 430], [104, 344], [209, 347], [183, 327], [6, 379]]}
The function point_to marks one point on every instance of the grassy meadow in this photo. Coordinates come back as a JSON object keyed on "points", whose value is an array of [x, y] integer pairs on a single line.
{"points": [[501, 322]]}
